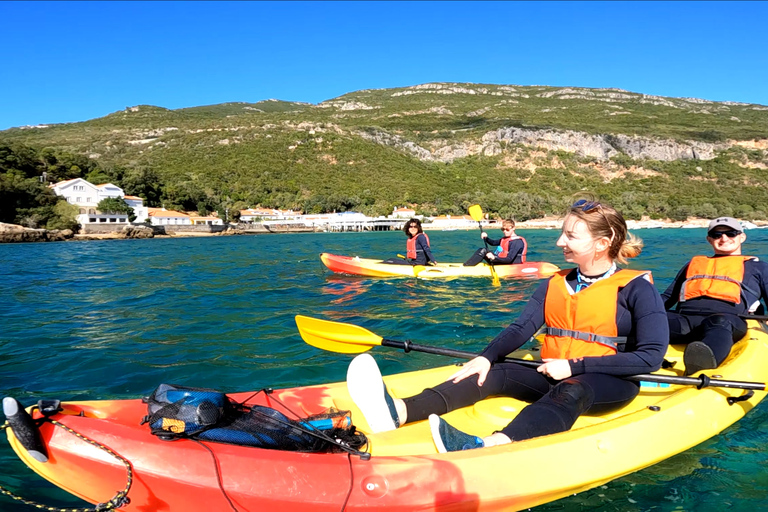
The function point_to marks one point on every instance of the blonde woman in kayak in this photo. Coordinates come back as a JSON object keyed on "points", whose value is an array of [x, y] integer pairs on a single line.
{"points": [[602, 323]]}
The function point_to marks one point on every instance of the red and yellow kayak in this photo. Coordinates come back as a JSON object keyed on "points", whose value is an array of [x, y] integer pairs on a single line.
{"points": [[377, 268], [404, 471]]}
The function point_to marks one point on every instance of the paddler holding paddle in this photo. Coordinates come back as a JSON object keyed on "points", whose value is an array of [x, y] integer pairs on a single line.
{"points": [[510, 248], [602, 322]]}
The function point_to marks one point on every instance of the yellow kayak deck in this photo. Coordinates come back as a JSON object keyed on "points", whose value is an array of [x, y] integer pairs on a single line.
{"points": [[662, 421]]}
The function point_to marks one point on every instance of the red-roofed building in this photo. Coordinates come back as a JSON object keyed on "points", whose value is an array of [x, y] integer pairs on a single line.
{"points": [[403, 213], [161, 217]]}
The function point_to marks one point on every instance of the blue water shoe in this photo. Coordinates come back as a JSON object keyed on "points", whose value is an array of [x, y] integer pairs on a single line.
{"points": [[450, 439]]}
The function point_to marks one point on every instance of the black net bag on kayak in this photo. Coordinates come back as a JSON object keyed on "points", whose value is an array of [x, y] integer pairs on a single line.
{"points": [[269, 428], [179, 411], [176, 412]]}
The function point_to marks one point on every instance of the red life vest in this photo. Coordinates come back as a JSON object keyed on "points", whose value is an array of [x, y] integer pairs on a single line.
{"points": [[505, 247], [583, 324], [410, 245], [718, 278]]}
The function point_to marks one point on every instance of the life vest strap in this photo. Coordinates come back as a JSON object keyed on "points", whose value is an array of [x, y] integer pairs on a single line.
{"points": [[613, 342], [705, 276]]}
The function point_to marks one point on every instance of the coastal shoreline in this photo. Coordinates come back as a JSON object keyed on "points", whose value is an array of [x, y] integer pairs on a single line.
{"points": [[10, 233]]}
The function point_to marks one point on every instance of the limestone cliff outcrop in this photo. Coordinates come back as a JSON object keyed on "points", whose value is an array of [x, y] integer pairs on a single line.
{"points": [[601, 146]]}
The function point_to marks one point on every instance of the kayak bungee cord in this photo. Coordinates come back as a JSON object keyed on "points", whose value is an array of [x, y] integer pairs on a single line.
{"points": [[313, 432], [218, 473], [350, 451], [119, 500]]}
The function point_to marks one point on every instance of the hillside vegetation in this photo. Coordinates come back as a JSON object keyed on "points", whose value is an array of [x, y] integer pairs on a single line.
{"points": [[517, 151]]}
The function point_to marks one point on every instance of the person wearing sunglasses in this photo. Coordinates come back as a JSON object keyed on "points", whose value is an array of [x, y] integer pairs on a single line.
{"points": [[711, 293], [418, 251], [510, 249], [602, 322]]}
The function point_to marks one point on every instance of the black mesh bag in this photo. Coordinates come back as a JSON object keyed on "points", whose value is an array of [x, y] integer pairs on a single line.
{"points": [[265, 427], [181, 412]]}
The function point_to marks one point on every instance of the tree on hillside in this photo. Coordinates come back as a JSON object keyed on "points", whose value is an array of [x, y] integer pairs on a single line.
{"points": [[144, 183], [65, 216], [115, 205]]}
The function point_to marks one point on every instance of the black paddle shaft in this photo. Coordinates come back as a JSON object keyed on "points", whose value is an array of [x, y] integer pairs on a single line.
{"points": [[700, 382]]}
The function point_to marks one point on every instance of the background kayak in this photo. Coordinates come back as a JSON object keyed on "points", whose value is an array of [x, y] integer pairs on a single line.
{"points": [[354, 265]]}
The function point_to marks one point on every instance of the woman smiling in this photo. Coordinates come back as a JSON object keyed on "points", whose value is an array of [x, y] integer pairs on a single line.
{"points": [[602, 322]]}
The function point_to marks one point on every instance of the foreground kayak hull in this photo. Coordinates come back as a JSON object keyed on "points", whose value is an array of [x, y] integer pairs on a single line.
{"points": [[354, 265], [404, 471]]}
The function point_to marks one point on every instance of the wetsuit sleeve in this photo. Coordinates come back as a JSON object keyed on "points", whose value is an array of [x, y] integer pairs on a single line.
{"points": [[422, 242], [672, 293], [493, 242], [756, 273], [651, 335], [521, 330], [515, 250], [762, 275]]}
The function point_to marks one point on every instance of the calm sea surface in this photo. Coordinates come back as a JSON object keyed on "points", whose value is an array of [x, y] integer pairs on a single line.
{"points": [[113, 319]]}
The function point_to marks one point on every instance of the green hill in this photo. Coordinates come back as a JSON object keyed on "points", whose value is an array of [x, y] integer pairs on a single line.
{"points": [[519, 151]]}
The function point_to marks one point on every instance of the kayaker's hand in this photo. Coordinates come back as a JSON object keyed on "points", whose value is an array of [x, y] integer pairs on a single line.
{"points": [[483, 235], [432, 263], [478, 365], [557, 369], [490, 256]]}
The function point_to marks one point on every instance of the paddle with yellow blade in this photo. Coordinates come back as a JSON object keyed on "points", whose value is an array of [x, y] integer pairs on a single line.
{"points": [[353, 339], [417, 269], [477, 214]]}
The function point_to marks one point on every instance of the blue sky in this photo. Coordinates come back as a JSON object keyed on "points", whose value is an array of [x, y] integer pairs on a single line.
{"points": [[73, 61]]}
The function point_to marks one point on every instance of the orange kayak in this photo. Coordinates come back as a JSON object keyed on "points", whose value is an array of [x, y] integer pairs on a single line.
{"points": [[357, 266], [401, 470]]}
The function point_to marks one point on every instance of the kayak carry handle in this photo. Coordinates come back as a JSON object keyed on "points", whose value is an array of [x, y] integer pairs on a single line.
{"points": [[25, 429]]}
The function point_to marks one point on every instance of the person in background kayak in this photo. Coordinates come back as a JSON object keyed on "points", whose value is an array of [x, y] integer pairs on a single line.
{"points": [[509, 249], [710, 293], [417, 247], [602, 323]]}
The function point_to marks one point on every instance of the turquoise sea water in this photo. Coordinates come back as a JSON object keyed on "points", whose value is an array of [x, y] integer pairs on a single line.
{"points": [[113, 319]]}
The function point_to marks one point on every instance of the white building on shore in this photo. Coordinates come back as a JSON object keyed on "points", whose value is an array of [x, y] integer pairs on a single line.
{"points": [[252, 215], [86, 196], [163, 217]]}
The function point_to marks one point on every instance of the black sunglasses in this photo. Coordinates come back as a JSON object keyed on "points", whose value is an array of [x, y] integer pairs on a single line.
{"points": [[731, 233]]}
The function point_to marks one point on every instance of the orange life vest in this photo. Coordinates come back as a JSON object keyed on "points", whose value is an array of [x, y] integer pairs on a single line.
{"points": [[719, 278], [410, 245], [583, 324], [505, 247]]}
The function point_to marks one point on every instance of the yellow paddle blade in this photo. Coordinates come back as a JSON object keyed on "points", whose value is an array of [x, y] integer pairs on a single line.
{"points": [[336, 336], [417, 269], [476, 212], [496, 281]]}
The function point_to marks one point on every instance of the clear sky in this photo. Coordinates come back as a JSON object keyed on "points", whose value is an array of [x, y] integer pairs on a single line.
{"points": [[73, 61]]}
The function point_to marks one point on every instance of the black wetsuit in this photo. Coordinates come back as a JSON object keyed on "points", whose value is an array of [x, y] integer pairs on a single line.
{"points": [[423, 254], [514, 255], [715, 322], [595, 385]]}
